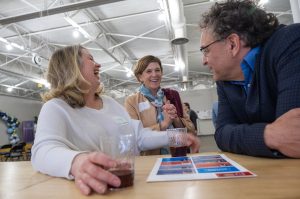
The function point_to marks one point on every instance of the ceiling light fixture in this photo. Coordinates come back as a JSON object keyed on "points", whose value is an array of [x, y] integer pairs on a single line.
{"points": [[263, 2], [48, 85], [9, 89], [128, 74], [161, 16], [76, 33], [8, 47], [4, 40], [75, 25], [17, 46], [180, 65], [43, 82]]}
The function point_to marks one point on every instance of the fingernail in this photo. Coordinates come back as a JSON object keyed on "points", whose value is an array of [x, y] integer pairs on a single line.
{"points": [[112, 164], [116, 182]]}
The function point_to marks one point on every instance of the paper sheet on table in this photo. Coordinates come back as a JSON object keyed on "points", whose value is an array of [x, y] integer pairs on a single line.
{"points": [[197, 168]]}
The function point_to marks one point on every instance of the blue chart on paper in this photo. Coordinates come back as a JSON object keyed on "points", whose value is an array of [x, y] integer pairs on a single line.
{"points": [[178, 165], [217, 169], [200, 167]]}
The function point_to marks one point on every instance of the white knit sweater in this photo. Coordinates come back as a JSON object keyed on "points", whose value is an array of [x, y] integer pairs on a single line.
{"points": [[63, 132]]}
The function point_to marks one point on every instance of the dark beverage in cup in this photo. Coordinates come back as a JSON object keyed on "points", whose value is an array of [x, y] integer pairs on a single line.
{"points": [[126, 177], [178, 151], [121, 147], [177, 141]]}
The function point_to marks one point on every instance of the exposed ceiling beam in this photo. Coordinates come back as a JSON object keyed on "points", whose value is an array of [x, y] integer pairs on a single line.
{"points": [[56, 10], [12, 60], [121, 53], [84, 24], [143, 34], [18, 96], [18, 75], [17, 87], [138, 37], [31, 5]]}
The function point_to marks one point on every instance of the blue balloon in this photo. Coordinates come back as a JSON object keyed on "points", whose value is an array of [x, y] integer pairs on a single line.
{"points": [[10, 130], [12, 123]]}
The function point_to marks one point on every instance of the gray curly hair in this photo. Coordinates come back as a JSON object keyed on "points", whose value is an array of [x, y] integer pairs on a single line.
{"points": [[243, 17]]}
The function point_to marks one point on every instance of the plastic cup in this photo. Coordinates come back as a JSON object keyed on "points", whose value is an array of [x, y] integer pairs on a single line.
{"points": [[121, 148], [177, 141]]}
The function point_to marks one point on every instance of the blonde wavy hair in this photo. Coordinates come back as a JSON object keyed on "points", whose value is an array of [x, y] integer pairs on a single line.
{"points": [[65, 77]]}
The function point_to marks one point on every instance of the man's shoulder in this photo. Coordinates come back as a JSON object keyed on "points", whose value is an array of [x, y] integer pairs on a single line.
{"points": [[289, 31], [292, 27], [194, 113], [285, 35], [284, 42]]}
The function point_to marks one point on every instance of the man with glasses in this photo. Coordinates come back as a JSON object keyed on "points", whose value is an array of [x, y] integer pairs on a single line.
{"points": [[256, 64]]}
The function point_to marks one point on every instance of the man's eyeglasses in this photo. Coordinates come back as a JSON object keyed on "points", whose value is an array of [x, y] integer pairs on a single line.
{"points": [[204, 49]]}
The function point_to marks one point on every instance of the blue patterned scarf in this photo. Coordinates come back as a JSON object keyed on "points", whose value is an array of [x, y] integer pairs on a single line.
{"points": [[157, 101]]}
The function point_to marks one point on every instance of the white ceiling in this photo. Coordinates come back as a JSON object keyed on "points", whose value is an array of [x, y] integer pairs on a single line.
{"points": [[119, 33]]}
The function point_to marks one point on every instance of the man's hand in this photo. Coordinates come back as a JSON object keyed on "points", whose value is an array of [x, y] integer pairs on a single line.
{"points": [[284, 134]]}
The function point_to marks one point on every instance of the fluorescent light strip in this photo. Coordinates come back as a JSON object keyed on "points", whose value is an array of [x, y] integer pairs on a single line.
{"points": [[11, 43], [75, 25], [4, 40], [17, 46]]}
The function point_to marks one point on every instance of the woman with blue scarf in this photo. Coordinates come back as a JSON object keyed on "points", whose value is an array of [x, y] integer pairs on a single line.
{"points": [[157, 108]]}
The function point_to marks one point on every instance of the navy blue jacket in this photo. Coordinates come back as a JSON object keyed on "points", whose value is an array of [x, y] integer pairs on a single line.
{"points": [[275, 89]]}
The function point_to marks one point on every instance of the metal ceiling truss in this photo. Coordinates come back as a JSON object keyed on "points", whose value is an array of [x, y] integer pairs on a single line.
{"points": [[21, 34], [14, 67], [56, 10]]}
